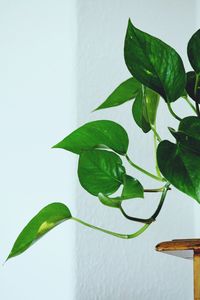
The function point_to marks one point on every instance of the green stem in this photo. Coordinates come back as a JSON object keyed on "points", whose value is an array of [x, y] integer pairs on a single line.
{"points": [[143, 170], [153, 128], [172, 112], [157, 211], [155, 155], [119, 235], [195, 94], [190, 104]]}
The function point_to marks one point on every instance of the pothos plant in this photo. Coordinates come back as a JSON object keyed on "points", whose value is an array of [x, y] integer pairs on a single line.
{"points": [[157, 71]]}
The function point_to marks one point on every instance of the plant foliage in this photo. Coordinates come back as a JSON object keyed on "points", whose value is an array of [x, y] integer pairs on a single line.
{"points": [[156, 71]]}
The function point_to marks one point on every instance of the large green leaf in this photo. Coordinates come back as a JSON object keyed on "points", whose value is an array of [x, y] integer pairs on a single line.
{"points": [[193, 86], [126, 91], [96, 134], [100, 171], [49, 217], [132, 188], [193, 51], [154, 63], [181, 167]]}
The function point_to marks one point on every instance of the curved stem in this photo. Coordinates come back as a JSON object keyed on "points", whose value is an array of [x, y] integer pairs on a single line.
{"points": [[119, 235], [157, 211], [143, 170], [172, 112], [153, 128], [190, 104]]}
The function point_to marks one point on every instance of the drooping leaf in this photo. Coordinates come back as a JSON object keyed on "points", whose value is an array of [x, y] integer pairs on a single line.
{"points": [[181, 167], [100, 171], [144, 109], [49, 217], [188, 133], [152, 102], [190, 86], [126, 91], [139, 112], [193, 51], [154, 63], [96, 134], [132, 188]]}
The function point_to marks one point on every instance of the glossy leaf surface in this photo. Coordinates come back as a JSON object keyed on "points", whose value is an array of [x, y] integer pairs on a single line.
{"points": [[193, 51], [49, 217], [154, 63], [96, 134], [100, 171], [181, 167], [126, 91], [193, 92]]}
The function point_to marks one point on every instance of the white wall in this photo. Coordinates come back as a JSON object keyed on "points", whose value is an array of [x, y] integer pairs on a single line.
{"points": [[109, 268], [38, 107]]}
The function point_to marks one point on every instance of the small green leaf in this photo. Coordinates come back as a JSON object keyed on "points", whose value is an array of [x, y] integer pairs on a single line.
{"points": [[181, 167], [152, 102], [193, 51], [132, 189], [100, 171], [96, 134], [49, 217], [108, 201], [190, 86], [126, 91], [188, 133], [154, 63], [139, 112]]}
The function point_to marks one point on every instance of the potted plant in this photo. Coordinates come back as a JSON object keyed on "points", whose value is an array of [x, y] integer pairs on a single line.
{"points": [[157, 71]]}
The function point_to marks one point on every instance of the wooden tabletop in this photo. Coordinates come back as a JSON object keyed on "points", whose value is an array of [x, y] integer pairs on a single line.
{"points": [[184, 248]]}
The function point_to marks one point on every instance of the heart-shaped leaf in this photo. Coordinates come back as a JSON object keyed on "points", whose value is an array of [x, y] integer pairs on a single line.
{"points": [[132, 189], [49, 217], [193, 86], [154, 63], [181, 167], [126, 91], [100, 171], [96, 134], [193, 51]]}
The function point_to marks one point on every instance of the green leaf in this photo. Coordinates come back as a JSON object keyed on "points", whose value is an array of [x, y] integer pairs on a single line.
{"points": [[154, 63], [100, 171], [126, 91], [181, 167], [132, 189], [49, 217], [193, 51], [139, 112], [144, 109], [188, 133], [190, 86], [152, 102], [96, 134]]}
